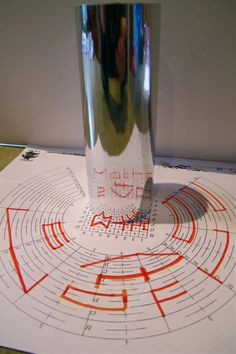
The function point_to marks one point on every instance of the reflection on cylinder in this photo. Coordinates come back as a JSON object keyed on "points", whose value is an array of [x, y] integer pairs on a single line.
{"points": [[116, 70]]}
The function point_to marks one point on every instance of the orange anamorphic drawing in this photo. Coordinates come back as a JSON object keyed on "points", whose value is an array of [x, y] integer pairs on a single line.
{"points": [[108, 274]]}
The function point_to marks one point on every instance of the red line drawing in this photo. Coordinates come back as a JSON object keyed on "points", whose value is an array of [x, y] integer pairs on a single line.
{"points": [[125, 174], [122, 222], [222, 207], [158, 302], [122, 191], [62, 232], [100, 172], [101, 219], [145, 225], [128, 222], [51, 226], [13, 255], [137, 219], [191, 238], [123, 296], [101, 191], [115, 175], [143, 272], [133, 217], [212, 274]]}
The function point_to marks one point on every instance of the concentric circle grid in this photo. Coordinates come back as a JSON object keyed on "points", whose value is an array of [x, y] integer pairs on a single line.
{"points": [[47, 198]]}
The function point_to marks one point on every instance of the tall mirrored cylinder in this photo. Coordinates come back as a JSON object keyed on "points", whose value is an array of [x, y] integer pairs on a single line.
{"points": [[117, 123]]}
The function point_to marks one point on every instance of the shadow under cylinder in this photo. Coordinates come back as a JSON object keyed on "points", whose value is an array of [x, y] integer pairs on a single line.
{"points": [[115, 46]]}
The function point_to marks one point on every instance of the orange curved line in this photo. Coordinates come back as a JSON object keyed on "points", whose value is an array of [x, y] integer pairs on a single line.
{"points": [[212, 195], [191, 238], [48, 239], [194, 197], [211, 274], [128, 256], [55, 235], [192, 220], [62, 231], [224, 252]]}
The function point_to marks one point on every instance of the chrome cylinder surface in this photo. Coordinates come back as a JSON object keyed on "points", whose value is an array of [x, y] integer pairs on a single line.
{"points": [[116, 74]]}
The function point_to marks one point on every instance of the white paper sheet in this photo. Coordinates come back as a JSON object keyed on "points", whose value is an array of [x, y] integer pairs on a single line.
{"points": [[77, 280]]}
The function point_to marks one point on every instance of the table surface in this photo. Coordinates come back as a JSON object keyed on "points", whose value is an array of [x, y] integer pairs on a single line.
{"points": [[7, 154]]}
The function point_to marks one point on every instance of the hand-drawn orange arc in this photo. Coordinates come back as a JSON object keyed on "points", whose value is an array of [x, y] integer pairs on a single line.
{"points": [[187, 190], [47, 238], [123, 296], [212, 274], [191, 238], [65, 237], [177, 218], [55, 236], [221, 206], [13, 254], [130, 255]]}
